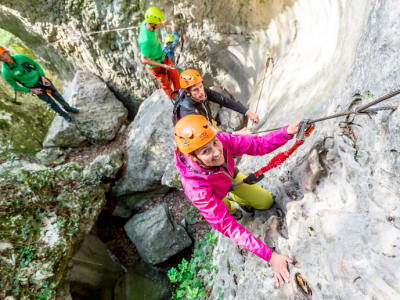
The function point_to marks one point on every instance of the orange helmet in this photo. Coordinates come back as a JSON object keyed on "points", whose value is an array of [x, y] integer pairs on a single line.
{"points": [[2, 50], [189, 77], [192, 132]]}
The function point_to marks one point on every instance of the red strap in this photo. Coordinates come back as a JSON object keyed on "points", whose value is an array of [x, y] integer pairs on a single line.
{"points": [[279, 159]]}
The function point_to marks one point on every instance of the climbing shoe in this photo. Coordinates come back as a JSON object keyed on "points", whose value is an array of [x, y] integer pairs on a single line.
{"points": [[65, 116], [72, 110], [237, 215]]}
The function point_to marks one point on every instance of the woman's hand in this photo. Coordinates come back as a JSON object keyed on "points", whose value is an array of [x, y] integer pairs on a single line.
{"points": [[252, 116], [294, 127], [279, 264]]}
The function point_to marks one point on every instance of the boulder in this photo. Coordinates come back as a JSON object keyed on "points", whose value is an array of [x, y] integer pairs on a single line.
{"points": [[156, 235], [100, 114], [57, 207], [150, 146], [143, 282], [92, 265], [63, 134], [50, 156], [105, 166], [137, 199]]}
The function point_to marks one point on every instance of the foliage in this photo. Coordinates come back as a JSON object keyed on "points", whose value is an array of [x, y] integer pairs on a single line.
{"points": [[187, 279], [192, 215]]}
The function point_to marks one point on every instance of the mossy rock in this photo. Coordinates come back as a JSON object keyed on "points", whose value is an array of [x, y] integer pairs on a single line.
{"points": [[47, 213]]}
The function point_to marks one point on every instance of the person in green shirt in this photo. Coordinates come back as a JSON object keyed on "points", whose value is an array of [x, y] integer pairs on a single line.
{"points": [[25, 75], [159, 65]]}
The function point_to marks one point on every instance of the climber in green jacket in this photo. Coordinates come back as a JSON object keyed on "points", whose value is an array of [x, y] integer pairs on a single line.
{"points": [[25, 75]]}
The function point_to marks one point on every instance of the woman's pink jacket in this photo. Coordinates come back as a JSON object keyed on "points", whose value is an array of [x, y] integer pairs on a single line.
{"points": [[206, 188]]}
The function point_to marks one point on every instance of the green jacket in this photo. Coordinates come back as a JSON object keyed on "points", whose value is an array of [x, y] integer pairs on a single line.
{"points": [[24, 71], [150, 45]]}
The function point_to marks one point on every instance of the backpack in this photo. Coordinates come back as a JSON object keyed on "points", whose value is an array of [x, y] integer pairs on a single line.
{"points": [[177, 104]]}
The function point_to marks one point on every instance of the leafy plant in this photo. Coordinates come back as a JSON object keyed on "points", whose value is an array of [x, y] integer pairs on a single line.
{"points": [[368, 94], [191, 215], [26, 255], [45, 293], [187, 279]]}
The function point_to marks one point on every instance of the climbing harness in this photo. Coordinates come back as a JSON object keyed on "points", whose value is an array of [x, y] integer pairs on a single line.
{"points": [[305, 129], [358, 111]]}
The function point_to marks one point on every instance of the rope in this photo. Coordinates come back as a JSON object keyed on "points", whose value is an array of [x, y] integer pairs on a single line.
{"points": [[359, 110], [269, 59], [273, 163], [279, 159], [109, 30]]}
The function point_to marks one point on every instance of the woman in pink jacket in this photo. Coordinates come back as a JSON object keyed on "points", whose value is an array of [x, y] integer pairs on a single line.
{"points": [[204, 159]]}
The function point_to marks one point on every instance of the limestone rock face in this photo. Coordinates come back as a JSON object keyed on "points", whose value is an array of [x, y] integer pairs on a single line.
{"points": [[156, 236], [99, 118], [57, 209], [230, 120], [76, 37], [150, 146], [340, 189]]}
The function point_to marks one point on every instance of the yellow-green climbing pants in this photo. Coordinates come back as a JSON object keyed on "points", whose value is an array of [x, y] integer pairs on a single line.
{"points": [[248, 195]]}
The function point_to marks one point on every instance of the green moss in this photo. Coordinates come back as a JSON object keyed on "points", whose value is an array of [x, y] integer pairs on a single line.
{"points": [[45, 214]]}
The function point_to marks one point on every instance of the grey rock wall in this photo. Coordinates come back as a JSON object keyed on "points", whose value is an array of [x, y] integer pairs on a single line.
{"points": [[342, 226], [224, 39]]}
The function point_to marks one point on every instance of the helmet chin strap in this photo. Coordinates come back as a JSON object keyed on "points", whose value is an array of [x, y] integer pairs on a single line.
{"points": [[201, 163]]}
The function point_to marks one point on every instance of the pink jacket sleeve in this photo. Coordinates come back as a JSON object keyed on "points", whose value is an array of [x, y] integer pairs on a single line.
{"points": [[255, 145], [216, 213]]}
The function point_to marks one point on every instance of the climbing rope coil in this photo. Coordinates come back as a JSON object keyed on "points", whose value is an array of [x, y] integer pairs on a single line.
{"points": [[305, 129]]}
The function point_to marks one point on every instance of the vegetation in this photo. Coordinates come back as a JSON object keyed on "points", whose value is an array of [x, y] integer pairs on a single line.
{"points": [[188, 277], [192, 215]]}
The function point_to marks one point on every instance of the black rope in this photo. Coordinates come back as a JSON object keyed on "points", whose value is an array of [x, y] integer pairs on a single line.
{"points": [[360, 110]]}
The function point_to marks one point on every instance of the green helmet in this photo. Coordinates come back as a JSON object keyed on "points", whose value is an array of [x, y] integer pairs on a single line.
{"points": [[169, 38], [154, 15]]}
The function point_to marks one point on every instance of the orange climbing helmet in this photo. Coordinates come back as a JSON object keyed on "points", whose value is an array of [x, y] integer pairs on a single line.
{"points": [[2, 50], [189, 77], [192, 132]]}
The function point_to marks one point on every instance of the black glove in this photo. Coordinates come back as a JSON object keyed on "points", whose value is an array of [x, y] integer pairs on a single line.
{"points": [[252, 178]]}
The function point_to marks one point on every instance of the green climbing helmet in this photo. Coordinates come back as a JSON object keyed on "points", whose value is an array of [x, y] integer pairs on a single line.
{"points": [[169, 38], [154, 15]]}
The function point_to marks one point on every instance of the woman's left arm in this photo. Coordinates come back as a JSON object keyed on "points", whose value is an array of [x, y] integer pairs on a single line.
{"points": [[259, 145]]}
